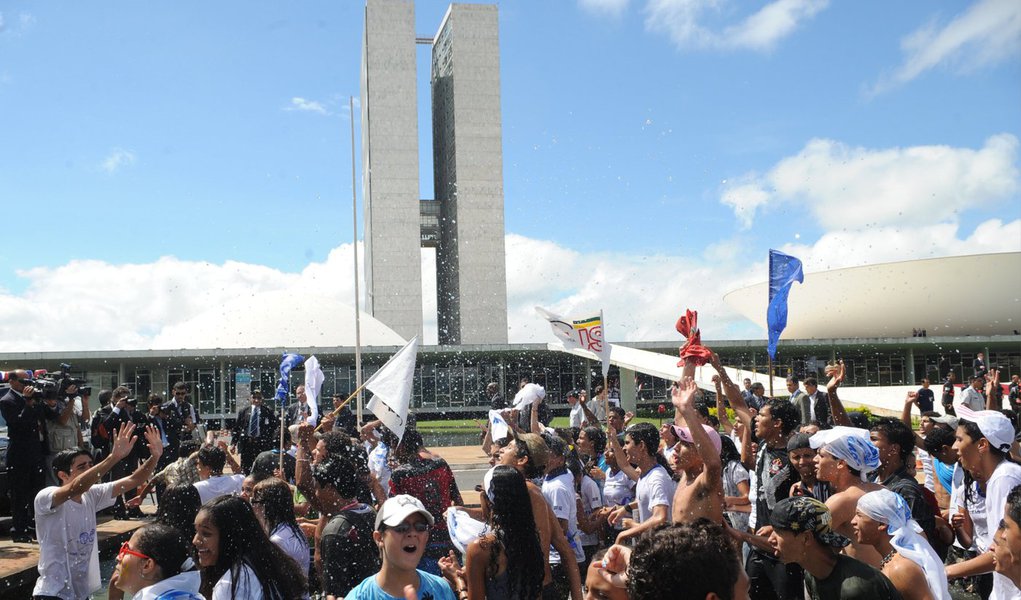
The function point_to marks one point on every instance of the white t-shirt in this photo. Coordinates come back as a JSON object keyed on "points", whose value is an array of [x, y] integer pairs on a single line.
{"points": [[591, 499], [1005, 478], [655, 488], [577, 416], [618, 489], [219, 485], [68, 552], [559, 494], [188, 581], [293, 545], [378, 465], [248, 585], [927, 468]]}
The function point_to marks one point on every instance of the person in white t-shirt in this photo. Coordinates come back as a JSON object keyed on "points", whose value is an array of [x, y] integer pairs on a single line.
{"points": [[983, 444], [655, 489], [65, 515], [576, 418], [273, 503], [209, 461], [559, 491]]}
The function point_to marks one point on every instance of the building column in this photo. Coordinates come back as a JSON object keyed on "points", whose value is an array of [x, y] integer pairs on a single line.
{"points": [[911, 367], [122, 375], [223, 387], [628, 394]]}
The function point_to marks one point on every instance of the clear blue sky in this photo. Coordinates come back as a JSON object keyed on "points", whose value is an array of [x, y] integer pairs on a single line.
{"points": [[219, 131]]}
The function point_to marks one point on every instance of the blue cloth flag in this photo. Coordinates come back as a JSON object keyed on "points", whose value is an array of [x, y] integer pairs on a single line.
{"points": [[288, 362], [784, 270]]}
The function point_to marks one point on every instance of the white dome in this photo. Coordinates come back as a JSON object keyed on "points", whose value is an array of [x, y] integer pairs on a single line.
{"points": [[956, 295], [278, 319]]}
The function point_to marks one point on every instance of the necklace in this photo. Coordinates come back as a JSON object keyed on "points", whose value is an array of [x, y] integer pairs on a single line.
{"points": [[887, 558]]}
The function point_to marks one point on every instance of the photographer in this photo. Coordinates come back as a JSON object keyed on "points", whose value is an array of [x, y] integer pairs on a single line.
{"points": [[63, 411], [26, 452], [124, 412]]}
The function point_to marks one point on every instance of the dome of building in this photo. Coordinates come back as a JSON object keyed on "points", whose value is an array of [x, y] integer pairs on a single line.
{"points": [[278, 319], [952, 296]]}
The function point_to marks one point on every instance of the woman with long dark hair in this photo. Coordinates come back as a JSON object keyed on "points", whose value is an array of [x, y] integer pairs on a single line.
{"points": [[983, 442], [156, 563], [237, 559], [273, 504], [177, 508], [508, 562]]}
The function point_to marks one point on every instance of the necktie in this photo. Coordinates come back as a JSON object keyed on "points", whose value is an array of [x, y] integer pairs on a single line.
{"points": [[253, 424]]}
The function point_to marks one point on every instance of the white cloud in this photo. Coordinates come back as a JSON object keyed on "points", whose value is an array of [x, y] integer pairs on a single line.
{"points": [[123, 306], [300, 104], [117, 159], [683, 21], [854, 187], [988, 32], [604, 7]]}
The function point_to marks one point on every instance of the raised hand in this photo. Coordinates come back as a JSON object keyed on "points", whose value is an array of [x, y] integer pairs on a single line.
{"points": [[615, 565], [155, 441], [683, 394], [911, 398], [124, 441]]}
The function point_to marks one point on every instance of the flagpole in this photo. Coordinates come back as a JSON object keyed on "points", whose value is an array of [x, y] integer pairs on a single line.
{"points": [[770, 376], [354, 245], [283, 424], [606, 372], [337, 410]]}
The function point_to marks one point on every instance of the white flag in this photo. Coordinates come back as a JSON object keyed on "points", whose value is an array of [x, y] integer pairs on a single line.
{"points": [[527, 395], [313, 385], [463, 529], [584, 332], [498, 428], [391, 388]]}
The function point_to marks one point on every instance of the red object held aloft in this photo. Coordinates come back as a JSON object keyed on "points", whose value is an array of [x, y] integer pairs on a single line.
{"points": [[692, 351]]}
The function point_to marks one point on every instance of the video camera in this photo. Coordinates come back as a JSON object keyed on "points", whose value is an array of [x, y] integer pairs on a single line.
{"points": [[51, 385]]}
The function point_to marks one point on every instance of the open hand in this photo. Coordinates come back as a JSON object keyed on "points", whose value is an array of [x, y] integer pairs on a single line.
{"points": [[155, 441], [683, 394], [615, 565], [124, 441]]}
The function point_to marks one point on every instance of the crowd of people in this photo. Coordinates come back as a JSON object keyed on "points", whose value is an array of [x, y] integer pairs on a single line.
{"points": [[737, 496]]}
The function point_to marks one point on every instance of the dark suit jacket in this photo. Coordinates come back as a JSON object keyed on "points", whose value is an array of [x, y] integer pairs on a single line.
{"points": [[268, 424], [24, 424], [821, 401], [292, 414]]}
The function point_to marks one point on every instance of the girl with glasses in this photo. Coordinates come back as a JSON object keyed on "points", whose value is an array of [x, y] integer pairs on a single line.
{"points": [[155, 563]]}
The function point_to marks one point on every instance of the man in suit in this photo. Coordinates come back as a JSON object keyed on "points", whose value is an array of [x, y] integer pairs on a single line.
{"points": [[793, 389], [124, 412], [814, 405], [187, 417], [301, 411], [23, 413], [979, 365], [254, 431]]}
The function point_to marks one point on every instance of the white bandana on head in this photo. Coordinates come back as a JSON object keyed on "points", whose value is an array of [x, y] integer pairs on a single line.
{"points": [[890, 508], [850, 444]]}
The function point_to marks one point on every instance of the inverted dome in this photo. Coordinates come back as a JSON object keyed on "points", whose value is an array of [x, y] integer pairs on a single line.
{"points": [[278, 319]]}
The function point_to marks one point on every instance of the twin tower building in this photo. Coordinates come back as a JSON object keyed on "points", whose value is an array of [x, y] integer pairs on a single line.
{"points": [[464, 221]]}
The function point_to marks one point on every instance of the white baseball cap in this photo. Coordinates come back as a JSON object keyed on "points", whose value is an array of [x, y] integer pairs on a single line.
{"points": [[400, 507], [994, 425]]}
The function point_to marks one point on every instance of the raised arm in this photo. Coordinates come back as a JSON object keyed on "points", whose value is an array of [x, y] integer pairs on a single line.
{"points": [[622, 461], [589, 415], [905, 416], [836, 406], [684, 402], [303, 466], [744, 414], [123, 443], [994, 391], [721, 408]]}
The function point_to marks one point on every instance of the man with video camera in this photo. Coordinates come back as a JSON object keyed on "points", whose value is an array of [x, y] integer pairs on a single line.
{"points": [[64, 412], [25, 454]]}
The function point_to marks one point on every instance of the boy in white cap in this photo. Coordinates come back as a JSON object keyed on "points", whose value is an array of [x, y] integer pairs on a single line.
{"points": [[696, 459], [402, 533], [983, 444]]}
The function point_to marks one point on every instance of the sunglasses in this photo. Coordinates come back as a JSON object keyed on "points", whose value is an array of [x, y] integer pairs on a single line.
{"points": [[126, 550], [404, 528]]}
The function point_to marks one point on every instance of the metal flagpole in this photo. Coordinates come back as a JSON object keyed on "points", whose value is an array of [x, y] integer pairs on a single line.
{"points": [[354, 246], [770, 374]]}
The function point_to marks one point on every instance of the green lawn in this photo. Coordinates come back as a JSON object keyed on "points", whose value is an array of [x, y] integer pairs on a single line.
{"points": [[470, 425]]}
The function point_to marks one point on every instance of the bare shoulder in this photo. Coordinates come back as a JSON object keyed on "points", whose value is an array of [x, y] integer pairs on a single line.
{"points": [[907, 576]]}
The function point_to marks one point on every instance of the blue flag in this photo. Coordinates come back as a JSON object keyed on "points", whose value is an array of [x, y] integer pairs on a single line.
{"points": [[784, 270], [288, 362]]}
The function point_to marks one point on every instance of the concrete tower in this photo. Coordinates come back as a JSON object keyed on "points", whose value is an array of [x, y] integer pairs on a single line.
{"points": [[465, 221]]}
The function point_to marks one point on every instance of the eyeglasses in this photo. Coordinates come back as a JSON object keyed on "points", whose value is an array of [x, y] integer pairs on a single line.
{"points": [[404, 528], [126, 550]]}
